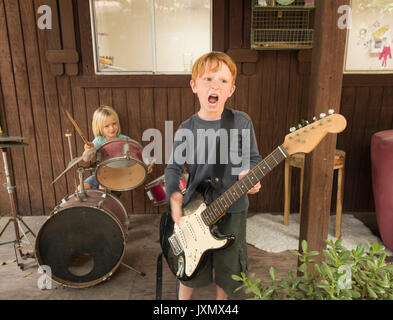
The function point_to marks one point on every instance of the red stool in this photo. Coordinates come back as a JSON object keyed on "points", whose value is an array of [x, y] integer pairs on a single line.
{"points": [[382, 178]]}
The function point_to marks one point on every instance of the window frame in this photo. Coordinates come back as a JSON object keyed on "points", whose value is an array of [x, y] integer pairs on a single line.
{"points": [[154, 52]]}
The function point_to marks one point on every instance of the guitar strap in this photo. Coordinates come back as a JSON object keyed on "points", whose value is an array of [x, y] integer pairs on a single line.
{"points": [[159, 277], [227, 123]]}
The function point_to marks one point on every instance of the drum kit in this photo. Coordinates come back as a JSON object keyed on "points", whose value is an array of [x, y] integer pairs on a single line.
{"points": [[84, 239]]}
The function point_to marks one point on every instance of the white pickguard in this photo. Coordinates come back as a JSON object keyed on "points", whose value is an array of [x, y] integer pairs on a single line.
{"points": [[195, 238]]}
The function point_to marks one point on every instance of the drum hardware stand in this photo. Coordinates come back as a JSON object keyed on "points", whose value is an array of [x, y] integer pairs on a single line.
{"points": [[142, 274], [68, 135], [81, 194], [82, 191], [80, 170], [10, 142]]}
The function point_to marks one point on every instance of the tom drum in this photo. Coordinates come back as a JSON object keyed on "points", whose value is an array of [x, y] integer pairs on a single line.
{"points": [[120, 166], [156, 189]]}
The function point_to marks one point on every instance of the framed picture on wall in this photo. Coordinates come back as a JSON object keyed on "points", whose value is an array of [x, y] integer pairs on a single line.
{"points": [[369, 42]]}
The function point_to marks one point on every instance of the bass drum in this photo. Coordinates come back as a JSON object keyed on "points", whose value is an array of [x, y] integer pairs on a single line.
{"points": [[83, 241]]}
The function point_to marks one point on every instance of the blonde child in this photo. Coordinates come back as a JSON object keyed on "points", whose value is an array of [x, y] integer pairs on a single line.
{"points": [[106, 126]]}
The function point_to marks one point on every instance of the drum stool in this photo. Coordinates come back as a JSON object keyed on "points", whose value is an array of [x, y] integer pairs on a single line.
{"points": [[297, 161]]}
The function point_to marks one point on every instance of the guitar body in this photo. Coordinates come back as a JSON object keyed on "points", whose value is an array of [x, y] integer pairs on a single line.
{"points": [[185, 247]]}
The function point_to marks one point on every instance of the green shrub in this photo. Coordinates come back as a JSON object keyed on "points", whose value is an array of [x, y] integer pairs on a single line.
{"points": [[344, 275]]}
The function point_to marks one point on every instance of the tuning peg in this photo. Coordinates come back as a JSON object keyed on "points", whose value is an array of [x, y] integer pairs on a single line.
{"points": [[293, 129], [330, 111], [322, 115]]}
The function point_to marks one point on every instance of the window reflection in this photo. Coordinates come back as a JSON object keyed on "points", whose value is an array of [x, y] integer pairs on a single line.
{"points": [[150, 36]]}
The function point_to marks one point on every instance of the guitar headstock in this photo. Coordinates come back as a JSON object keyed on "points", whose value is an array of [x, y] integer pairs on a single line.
{"points": [[306, 138]]}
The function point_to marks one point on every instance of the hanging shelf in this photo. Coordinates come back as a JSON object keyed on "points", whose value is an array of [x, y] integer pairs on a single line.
{"points": [[281, 26]]}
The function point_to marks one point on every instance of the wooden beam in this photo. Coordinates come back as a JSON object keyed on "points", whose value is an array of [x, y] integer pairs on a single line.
{"points": [[367, 80], [133, 81], [324, 93], [219, 25], [243, 55], [62, 56], [68, 33], [52, 36], [236, 24]]}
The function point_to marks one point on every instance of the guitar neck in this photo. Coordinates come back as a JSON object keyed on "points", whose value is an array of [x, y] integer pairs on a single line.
{"points": [[217, 209]]}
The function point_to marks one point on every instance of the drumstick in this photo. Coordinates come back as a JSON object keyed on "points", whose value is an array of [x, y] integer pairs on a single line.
{"points": [[150, 167], [77, 128]]}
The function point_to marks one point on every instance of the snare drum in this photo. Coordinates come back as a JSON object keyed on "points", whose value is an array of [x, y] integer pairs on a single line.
{"points": [[156, 189], [120, 166], [83, 241]]}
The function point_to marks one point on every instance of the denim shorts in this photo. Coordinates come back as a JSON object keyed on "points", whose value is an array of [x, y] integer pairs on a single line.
{"points": [[92, 181], [228, 261]]}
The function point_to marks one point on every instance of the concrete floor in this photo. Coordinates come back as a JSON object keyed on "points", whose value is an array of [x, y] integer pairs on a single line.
{"points": [[141, 253]]}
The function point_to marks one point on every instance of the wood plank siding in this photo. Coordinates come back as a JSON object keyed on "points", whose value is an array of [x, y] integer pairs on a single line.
{"points": [[272, 87]]}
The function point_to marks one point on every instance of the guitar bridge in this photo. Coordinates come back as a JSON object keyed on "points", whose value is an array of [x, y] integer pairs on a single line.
{"points": [[175, 245]]}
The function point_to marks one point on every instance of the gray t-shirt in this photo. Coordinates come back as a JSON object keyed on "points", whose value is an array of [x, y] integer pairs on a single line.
{"points": [[195, 144]]}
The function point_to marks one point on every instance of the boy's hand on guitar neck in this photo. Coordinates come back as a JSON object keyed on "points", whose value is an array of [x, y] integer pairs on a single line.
{"points": [[254, 189], [176, 203]]}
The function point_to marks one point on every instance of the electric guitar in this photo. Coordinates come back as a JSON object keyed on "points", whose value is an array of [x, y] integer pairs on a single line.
{"points": [[184, 246]]}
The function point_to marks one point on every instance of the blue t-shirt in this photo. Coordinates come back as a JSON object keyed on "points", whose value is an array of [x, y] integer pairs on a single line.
{"points": [[101, 140], [200, 163]]}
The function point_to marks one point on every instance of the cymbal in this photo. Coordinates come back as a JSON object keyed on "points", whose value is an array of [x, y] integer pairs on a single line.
{"points": [[12, 144], [5, 138], [75, 161]]}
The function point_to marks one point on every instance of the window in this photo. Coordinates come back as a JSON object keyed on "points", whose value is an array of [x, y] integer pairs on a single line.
{"points": [[370, 37], [150, 36]]}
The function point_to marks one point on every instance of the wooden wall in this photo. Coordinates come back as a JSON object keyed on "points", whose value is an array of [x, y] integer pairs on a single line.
{"points": [[271, 88], [367, 101]]}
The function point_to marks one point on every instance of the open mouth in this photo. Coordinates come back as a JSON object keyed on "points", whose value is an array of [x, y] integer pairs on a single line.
{"points": [[213, 99]]}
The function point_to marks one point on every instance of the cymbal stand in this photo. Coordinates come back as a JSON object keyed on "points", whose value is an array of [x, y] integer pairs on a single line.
{"points": [[82, 192], [14, 218], [68, 136], [142, 274]]}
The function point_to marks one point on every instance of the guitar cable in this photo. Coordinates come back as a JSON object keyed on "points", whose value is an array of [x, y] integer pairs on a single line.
{"points": [[177, 288]]}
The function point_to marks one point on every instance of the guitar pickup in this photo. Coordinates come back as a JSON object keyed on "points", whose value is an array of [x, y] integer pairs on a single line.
{"points": [[175, 245], [190, 230]]}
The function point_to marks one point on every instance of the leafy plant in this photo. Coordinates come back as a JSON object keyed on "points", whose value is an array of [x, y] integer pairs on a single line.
{"points": [[344, 275]]}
